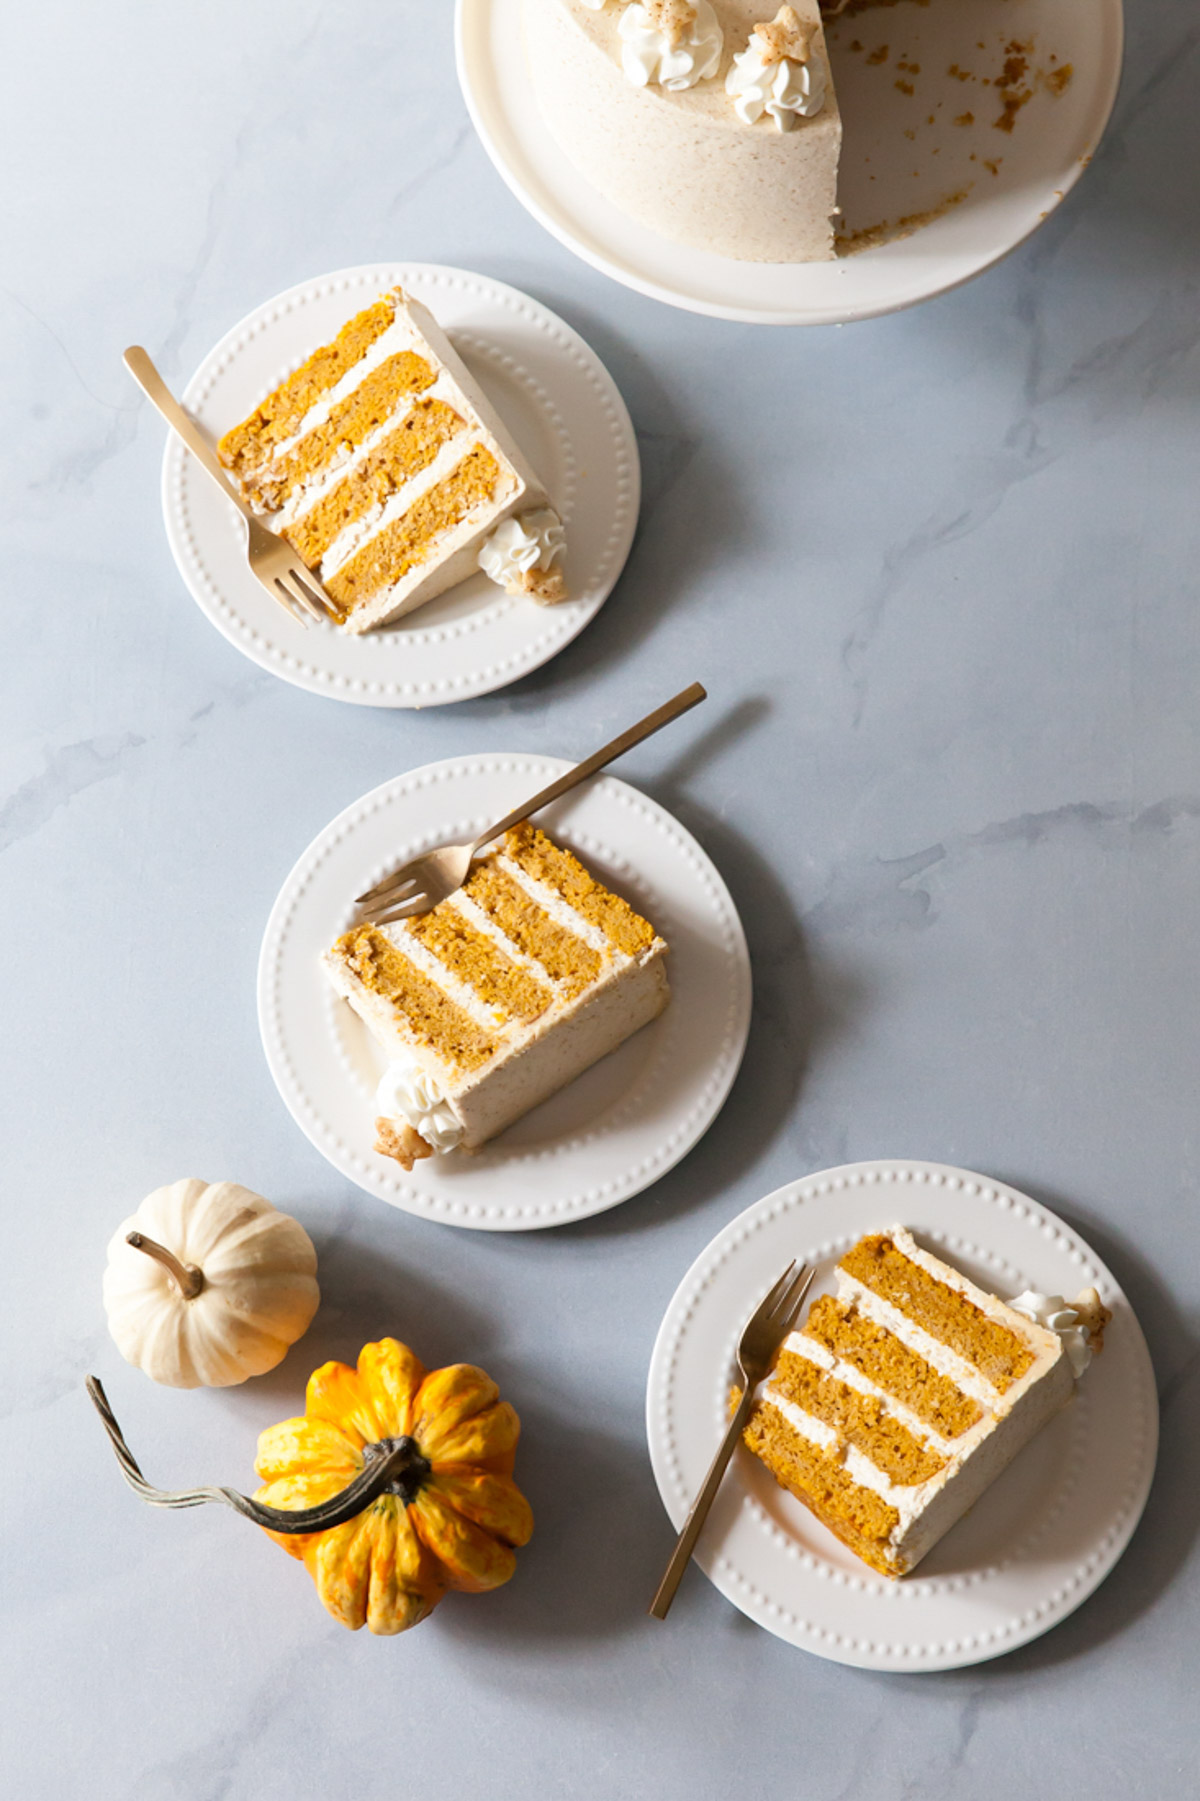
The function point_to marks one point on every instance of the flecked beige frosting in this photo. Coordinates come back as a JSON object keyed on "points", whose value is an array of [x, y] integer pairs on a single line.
{"points": [[682, 162]]}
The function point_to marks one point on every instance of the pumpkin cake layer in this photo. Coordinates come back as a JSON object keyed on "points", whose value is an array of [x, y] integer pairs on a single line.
{"points": [[404, 543], [432, 1018], [947, 1315], [854, 1513], [402, 454], [565, 957], [349, 424], [859, 1417], [478, 960], [249, 446], [502, 994], [874, 1351], [917, 1386], [386, 468]]}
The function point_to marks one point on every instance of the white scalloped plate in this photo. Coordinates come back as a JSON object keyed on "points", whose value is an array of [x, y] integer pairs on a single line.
{"points": [[905, 92], [561, 405], [619, 1126], [1028, 1553]]}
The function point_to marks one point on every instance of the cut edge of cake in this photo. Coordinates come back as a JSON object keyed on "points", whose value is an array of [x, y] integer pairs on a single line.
{"points": [[903, 1397], [388, 470], [501, 995]]}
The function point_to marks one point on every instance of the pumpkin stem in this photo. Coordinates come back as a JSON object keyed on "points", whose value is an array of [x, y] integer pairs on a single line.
{"points": [[188, 1278]]}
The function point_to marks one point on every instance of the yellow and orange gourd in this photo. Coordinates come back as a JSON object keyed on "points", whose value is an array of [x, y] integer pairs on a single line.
{"points": [[452, 1521]]}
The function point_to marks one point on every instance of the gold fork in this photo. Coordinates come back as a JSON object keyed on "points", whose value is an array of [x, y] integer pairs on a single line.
{"points": [[427, 881], [272, 560], [762, 1336]]}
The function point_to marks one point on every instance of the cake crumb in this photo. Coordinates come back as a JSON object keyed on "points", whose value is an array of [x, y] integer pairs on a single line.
{"points": [[1012, 85], [878, 55], [887, 231]]}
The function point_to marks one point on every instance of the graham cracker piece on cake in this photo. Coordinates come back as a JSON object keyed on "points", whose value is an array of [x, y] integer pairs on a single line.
{"points": [[406, 1145], [786, 36], [1093, 1317], [547, 586], [675, 17]]}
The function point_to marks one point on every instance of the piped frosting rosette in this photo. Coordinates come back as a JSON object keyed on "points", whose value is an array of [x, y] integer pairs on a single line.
{"points": [[777, 75], [674, 43]]}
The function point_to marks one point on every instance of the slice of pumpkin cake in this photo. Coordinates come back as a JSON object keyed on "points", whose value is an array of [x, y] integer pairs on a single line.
{"points": [[391, 475], [904, 1395], [499, 996]]}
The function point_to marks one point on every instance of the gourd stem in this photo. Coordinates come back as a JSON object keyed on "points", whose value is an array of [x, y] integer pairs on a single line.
{"points": [[188, 1278]]}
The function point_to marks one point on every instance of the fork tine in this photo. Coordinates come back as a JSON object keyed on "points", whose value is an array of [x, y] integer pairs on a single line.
{"points": [[406, 909], [291, 603], [390, 886], [280, 595], [766, 1307], [789, 1306], [297, 594], [312, 591]]}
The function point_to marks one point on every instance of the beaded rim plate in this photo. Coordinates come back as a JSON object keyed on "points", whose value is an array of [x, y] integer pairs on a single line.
{"points": [[614, 1130], [561, 405], [920, 89], [1030, 1551]]}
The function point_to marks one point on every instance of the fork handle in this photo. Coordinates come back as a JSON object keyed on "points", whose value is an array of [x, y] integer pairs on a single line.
{"points": [[645, 728], [685, 1544], [156, 390]]}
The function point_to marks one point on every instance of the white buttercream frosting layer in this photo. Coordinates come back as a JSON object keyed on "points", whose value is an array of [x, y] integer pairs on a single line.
{"points": [[652, 54]]}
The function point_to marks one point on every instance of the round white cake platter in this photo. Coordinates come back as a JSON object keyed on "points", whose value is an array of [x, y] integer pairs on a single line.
{"points": [[1037, 1543], [933, 189], [614, 1130], [562, 407]]}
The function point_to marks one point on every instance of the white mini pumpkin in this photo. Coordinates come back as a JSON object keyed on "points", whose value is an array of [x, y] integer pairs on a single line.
{"points": [[208, 1284]]}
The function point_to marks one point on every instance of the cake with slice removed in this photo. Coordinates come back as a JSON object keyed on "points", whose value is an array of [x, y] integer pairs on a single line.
{"points": [[904, 1395], [391, 475], [713, 122], [499, 996]]}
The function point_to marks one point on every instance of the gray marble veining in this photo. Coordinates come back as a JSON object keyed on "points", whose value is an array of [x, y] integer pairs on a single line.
{"points": [[939, 572]]}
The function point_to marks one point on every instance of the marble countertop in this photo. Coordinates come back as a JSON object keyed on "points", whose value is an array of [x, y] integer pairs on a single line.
{"points": [[939, 572]]}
